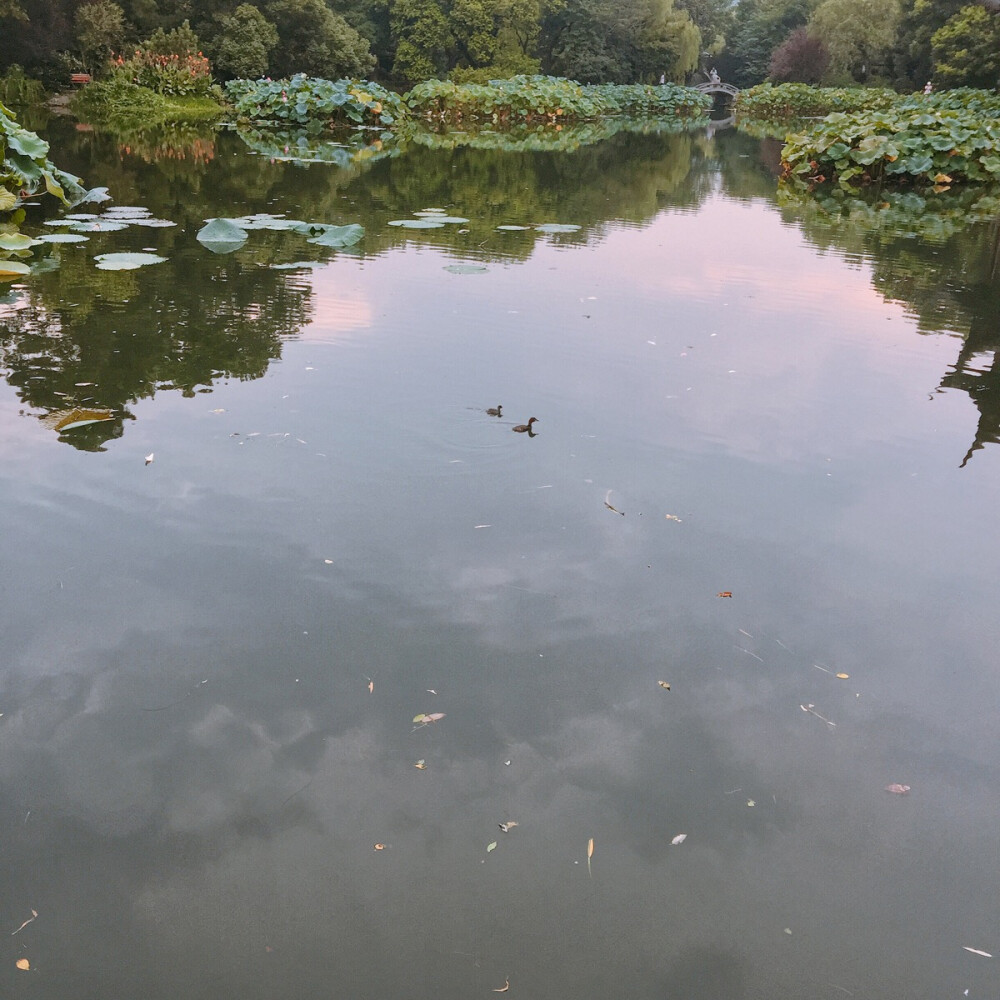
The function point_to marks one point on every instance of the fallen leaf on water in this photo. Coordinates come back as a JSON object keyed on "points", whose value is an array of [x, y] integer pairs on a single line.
{"points": [[590, 848], [502, 989], [976, 951], [897, 789], [508, 826], [664, 685], [371, 685], [149, 458], [23, 964], [615, 509], [751, 803], [679, 839], [724, 593], [420, 765], [492, 846], [379, 847], [843, 677], [671, 517], [34, 914]]}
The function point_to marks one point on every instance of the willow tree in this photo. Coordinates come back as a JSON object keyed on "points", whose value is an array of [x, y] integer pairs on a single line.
{"points": [[858, 34], [621, 42]]}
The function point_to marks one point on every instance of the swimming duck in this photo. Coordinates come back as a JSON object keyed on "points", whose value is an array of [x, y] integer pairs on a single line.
{"points": [[522, 428], [495, 413]]}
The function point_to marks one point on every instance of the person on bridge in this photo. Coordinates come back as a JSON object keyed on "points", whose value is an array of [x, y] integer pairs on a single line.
{"points": [[713, 76]]}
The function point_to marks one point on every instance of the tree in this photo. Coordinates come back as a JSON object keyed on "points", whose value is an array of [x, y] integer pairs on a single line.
{"points": [[608, 41], [859, 35], [759, 27], [179, 41], [100, 29], [713, 18], [966, 50], [314, 40], [912, 59], [800, 58], [244, 43]]}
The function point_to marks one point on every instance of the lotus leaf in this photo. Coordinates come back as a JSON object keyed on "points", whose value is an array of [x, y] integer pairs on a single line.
{"points": [[64, 238], [13, 268], [339, 236], [126, 261], [513, 229], [221, 236], [17, 241], [466, 269], [417, 224], [98, 226], [557, 227]]}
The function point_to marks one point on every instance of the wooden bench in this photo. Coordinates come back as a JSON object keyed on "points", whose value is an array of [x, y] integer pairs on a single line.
{"points": [[78, 79]]}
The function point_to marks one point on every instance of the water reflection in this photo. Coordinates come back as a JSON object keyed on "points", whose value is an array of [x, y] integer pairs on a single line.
{"points": [[194, 771]]}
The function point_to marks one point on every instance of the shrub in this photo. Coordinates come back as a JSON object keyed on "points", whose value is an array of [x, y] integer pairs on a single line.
{"points": [[168, 74], [770, 102], [900, 145], [303, 100]]}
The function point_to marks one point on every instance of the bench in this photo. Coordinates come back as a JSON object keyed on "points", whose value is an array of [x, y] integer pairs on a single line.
{"points": [[78, 79]]}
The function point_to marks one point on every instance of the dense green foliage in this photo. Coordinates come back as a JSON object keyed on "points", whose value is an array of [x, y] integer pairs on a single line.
{"points": [[123, 105], [25, 171], [904, 144], [403, 42], [768, 102], [304, 100], [530, 98]]}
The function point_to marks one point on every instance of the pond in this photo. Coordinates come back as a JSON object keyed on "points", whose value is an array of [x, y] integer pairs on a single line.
{"points": [[322, 681]]}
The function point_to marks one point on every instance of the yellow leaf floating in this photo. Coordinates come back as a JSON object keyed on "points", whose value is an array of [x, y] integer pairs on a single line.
{"points": [[379, 847], [420, 765], [843, 677], [23, 964], [942, 179], [502, 989], [664, 685], [590, 848]]}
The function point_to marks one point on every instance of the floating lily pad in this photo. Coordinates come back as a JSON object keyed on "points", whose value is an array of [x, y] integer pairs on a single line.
{"points": [[513, 229], [81, 216], [222, 236], [57, 222], [339, 236], [13, 268], [126, 211], [98, 226], [417, 224], [456, 220], [151, 223], [126, 261], [64, 238], [81, 418], [556, 227], [297, 265], [95, 195], [466, 268], [272, 222], [431, 211], [17, 241]]}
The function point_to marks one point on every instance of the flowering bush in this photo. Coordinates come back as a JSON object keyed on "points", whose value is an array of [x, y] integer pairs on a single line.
{"points": [[166, 73]]}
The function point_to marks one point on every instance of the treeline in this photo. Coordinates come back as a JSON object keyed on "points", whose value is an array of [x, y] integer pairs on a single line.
{"points": [[902, 43]]}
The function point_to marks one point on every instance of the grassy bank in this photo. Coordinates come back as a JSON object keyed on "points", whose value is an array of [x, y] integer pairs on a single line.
{"points": [[118, 104]]}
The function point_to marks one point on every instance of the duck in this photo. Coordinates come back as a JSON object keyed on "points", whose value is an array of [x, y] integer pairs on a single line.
{"points": [[523, 428], [495, 412]]}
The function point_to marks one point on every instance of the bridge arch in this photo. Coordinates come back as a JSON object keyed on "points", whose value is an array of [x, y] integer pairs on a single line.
{"points": [[718, 87]]}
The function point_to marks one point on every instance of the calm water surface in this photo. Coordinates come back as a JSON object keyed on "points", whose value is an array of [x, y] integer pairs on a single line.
{"points": [[212, 661]]}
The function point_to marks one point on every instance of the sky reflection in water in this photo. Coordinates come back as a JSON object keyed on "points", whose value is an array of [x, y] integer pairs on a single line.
{"points": [[194, 772]]}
